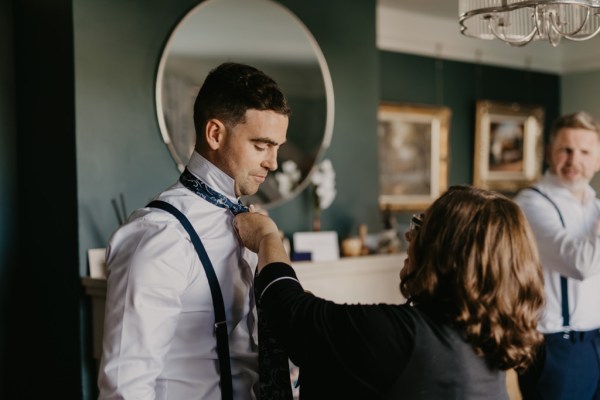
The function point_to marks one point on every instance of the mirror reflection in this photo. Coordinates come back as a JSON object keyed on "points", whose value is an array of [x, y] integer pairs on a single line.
{"points": [[268, 36]]}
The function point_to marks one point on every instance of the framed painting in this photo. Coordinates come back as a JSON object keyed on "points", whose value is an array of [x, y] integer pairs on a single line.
{"points": [[413, 155], [508, 145]]}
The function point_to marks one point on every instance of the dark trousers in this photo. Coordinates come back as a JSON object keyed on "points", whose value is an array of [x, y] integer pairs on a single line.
{"points": [[568, 367]]}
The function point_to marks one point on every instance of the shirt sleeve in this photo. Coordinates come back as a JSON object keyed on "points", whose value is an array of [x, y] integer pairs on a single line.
{"points": [[370, 343], [148, 265], [573, 256]]}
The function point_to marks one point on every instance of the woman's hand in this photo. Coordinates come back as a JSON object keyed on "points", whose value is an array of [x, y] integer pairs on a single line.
{"points": [[252, 227], [260, 234]]}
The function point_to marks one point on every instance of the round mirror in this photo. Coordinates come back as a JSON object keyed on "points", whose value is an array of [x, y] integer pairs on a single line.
{"points": [[266, 35]]}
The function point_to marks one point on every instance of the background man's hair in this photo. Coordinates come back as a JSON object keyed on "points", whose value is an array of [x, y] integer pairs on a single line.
{"points": [[578, 120]]}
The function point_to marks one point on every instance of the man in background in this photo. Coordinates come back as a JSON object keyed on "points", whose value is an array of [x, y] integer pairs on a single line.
{"points": [[159, 335], [564, 213]]}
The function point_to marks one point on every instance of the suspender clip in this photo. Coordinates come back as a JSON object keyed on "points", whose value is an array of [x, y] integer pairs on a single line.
{"points": [[224, 322]]}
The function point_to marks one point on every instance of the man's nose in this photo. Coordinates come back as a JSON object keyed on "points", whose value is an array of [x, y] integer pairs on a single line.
{"points": [[574, 156], [270, 162]]}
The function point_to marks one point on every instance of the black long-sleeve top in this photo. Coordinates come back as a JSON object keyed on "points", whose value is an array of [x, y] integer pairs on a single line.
{"points": [[370, 352]]}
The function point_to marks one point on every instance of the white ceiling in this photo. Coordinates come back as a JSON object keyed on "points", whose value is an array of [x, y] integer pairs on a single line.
{"points": [[202, 30], [436, 8]]}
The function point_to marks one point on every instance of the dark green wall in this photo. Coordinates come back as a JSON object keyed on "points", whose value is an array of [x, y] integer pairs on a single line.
{"points": [[458, 85], [119, 147]]}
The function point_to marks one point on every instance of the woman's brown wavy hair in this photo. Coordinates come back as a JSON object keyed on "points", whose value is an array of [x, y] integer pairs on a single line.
{"points": [[475, 262]]}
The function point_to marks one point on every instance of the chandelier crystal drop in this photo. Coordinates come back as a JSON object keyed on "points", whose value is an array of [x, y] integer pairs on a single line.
{"points": [[518, 22]]}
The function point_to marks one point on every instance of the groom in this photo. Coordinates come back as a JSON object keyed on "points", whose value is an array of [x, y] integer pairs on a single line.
{"points": [[164, 298]]}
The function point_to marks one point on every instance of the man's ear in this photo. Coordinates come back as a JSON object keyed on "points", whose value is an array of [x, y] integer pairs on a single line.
{"points": [[214, 133]]}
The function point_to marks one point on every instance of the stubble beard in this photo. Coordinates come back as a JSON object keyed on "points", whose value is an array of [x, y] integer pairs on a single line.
{"points": [[576, 185]]}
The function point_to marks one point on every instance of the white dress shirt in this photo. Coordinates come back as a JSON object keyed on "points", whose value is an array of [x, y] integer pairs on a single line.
{"points": [[573, 252], [159, 340]]}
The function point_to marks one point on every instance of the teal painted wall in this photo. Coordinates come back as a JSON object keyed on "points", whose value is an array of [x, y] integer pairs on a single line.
{"points": [[119, 147], [409, 78]]}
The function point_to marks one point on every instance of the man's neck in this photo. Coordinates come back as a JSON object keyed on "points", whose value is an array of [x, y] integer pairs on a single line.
{"points": [[578, 189], [579, 195]]}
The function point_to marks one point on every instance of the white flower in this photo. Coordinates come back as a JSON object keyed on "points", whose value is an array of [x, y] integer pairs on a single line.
{"points": [[323, 179], [288, 179]]}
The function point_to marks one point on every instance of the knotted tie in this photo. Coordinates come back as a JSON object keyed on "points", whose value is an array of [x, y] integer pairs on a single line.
{"points": [[273, 364]]}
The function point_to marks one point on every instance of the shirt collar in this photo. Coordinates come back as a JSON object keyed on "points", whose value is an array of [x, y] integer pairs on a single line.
{"points": [[212, 176]]}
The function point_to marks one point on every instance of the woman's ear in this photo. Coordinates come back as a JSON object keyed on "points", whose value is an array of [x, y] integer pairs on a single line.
{"points": [[214, 133]]}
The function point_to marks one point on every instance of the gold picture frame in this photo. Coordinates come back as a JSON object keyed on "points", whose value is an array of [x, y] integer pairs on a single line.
{"points": [[413, 155], [508, 145]]}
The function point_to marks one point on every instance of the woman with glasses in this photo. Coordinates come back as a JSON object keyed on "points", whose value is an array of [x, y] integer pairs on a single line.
{"points": [[474, 288]]}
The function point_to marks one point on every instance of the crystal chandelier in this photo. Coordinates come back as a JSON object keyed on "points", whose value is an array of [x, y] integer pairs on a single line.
{"points": [[518, 22]]}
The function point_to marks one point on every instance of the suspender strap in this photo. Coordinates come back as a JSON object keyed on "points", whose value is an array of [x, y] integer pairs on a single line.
{"points": [[563, 280], [217, 298], [564, 300]]}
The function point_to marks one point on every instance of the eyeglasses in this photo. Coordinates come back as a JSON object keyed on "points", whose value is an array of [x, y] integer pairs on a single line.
{"points": [[415, 225]]}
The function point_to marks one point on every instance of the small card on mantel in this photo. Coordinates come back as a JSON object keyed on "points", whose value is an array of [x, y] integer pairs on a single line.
{"points": [[323, 245], [97, 263]]}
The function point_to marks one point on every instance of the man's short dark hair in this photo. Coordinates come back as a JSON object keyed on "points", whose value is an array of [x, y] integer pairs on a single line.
{"points": [[231, 89]]}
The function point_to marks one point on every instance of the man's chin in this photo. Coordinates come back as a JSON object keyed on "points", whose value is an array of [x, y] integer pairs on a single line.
{"points": [[574, 184], [249, 191]]}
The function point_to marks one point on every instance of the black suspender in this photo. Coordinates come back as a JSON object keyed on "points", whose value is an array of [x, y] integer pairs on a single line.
{"points": [[563, 280], [217, 298]]}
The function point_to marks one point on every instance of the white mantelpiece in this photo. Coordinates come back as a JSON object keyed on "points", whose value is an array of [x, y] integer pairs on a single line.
{"points": [[370, 279], [367, 280]]}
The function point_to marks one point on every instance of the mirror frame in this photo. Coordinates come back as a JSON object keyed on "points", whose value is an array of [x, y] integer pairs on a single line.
{"points": [[328, 89]]}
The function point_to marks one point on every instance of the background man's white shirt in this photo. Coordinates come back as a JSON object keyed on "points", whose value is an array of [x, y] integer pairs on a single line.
{"points": [[573, 252]]}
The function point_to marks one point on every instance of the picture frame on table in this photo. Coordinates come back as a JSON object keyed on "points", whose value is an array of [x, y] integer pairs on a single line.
{"points": [[413, 155], [508, 152]]}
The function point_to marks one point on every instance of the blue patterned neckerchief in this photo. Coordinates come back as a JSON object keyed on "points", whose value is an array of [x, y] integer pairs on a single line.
{"points": [[194, 184]]}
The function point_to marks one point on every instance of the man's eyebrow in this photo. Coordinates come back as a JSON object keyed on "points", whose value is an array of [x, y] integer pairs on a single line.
{"points": [[266, 141]]}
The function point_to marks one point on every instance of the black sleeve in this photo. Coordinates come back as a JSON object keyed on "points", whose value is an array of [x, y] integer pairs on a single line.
{"points": [[371, 344]]}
